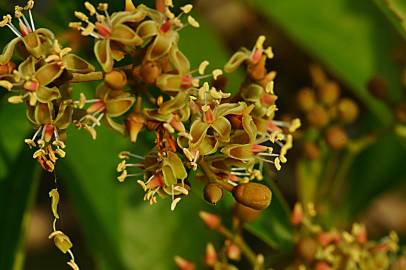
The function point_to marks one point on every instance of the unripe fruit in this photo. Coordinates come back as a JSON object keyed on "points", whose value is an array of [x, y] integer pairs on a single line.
{"points": [[311, 150], [329, 92], [318, 116], [306, 99], [116, 79], [348, 110], [335, 137], [254, 195], [213, 193], [245, 214], [306, 249]]}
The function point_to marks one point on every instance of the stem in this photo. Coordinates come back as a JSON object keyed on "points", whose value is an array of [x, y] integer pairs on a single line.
{"points": [[212, 176], [245, 249], [88, 77]]}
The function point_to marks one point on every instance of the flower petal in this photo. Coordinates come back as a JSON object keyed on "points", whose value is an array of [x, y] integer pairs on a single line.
{"points": [[121, 17], [125, 35], [236, 60], [27, 68], [43, 113], [174, 104], [241, 152], [177, 165], [64, 117], [77, 64], [198, 131], [229, 108], [169, 82], [252, 93], [161, 46], [114, 125], [8, 51], [223, 128], [48, 73], [118, 106], [179, 60], [102, 51], [208, 145], [46, 94], [147, 29]]}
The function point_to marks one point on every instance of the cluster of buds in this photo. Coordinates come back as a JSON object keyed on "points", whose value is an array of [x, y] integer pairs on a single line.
{"points": [[233, 249], [326, 113], [317, 248]]}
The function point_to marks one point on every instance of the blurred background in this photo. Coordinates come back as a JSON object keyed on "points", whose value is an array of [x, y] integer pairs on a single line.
{"points": [[357, 43]]}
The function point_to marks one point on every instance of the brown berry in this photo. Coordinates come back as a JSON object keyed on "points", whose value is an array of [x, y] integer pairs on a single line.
{"points": [[244, 213], [311, 150], [213, 193], [306, 99], [335, 137], [116, 79], [378, 87], [254, 195], [347, 110], [329, 92], [318, 116]]}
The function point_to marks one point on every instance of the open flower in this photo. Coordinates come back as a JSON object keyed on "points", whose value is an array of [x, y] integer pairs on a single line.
{"points": [[50, 127], [108, 104], [112, 32]]}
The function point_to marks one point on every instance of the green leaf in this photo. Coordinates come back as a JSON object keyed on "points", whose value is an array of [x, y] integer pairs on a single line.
{"points": [[351, 37], [395, 10], [17, 193], [273, 226]]}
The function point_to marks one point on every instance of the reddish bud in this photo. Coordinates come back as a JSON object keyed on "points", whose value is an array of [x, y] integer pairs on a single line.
{"points": [[210, 258], [212, 221], [297, 214], [183, 264]]}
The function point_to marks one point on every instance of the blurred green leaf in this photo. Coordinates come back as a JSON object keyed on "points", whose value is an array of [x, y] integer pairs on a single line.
{"points": [[17, 193], [376, 170], [351, 37], [273, 225], [395, 10]]}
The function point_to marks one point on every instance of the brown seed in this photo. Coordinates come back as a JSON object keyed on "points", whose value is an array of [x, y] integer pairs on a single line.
{"points": [[213, 193], [149, 72], [254, 195], [318, 116], [335, 137], [329, 92], [244, 213], [306, 99], [116, 79], [378, 87], [311, 150], [348, 110]]}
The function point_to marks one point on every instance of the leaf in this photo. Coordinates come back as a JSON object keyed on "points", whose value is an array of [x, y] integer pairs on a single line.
{"points": [[351, 37], [395, 10], [17, 193], [376, 170], [273, 226]]}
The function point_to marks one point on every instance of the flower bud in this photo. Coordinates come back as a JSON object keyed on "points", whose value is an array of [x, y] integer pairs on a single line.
{"points": [[149, 72], [297, 214], [233, 252], [211, 220], [336, 138], [254, 195], [318, 116], [210, 258], [61, 241], [116, 79], [347, 110], [378, 87], [183, 264], [322, 265], [306, 99], [134, 124], [311, 150], [257, 71], [306, 249], [7, 68], [329, 92], [213, 193], [245, 214]]}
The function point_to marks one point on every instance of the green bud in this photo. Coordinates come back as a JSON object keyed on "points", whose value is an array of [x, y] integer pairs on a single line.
{"points": [[61, 241], [254, 195]]}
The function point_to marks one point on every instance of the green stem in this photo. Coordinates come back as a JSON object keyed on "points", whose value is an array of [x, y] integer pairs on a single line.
{"points": [[88, 77], [245, 249]]}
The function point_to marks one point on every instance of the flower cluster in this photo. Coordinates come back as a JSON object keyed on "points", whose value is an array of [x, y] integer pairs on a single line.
{"points": [[327, 114], [318, 248]]}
